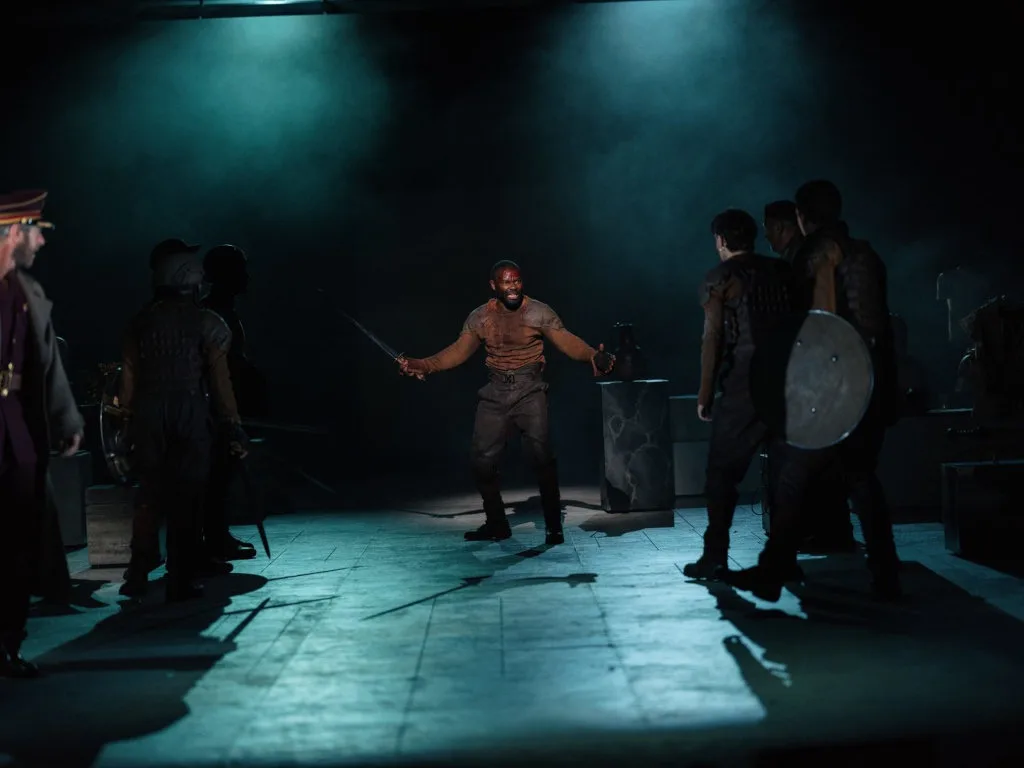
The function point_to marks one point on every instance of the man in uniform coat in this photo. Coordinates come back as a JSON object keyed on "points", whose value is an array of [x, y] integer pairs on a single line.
{"points": [[37, 411]]}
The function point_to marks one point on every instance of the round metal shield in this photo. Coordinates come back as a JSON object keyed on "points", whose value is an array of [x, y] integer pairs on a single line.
{"points": [[813, 380], [114, 429]]}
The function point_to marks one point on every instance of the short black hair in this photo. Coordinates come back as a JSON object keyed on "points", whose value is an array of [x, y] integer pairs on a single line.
{"points": [[819, 202], [781, 210], [737, 228], [500, 265]]}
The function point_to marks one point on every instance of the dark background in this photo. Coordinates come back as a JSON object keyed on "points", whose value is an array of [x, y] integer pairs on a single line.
{"points": [[391, 158]]}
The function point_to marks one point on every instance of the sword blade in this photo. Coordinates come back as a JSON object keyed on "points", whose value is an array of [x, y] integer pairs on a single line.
{"points": [[387, 349], [263, 538]]}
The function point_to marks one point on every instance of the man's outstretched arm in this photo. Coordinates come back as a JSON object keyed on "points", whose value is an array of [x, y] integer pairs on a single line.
{"points": [[822, 264], [452, 356], [571, 345]]}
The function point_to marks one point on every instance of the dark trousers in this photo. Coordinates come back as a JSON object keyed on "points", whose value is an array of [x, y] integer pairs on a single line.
{"points": [[825, 514], [20, 509], [510, 402], [224, 469], [172, 450], [736, 437], [858, 459]]}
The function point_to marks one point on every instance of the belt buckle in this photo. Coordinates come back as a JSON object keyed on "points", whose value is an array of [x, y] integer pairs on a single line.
{"points": [[508, 378], [6, 382]]}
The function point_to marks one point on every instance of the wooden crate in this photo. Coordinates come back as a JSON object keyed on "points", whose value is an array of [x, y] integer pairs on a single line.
{"points": [[108, 520]]}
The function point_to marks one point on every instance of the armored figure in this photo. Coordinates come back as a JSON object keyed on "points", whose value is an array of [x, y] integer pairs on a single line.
{"points": [[844, 276], [225, 268], [743, 299], [826, 519], [512, 327], [175, 364]]}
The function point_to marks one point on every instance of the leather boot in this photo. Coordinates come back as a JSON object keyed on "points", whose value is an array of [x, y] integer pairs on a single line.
{"points": [[716, 543], [230, 548], [551, 503], [12, 663], [496, 527]]}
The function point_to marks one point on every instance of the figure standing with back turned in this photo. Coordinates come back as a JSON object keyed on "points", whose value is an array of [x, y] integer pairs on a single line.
{"points": [[175, 356], [741, 299]]}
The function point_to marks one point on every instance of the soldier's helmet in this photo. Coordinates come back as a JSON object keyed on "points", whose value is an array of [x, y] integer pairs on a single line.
{"points": [[175, 266]]}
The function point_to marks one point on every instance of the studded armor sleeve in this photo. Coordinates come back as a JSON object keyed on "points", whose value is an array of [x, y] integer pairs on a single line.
{"points": [[712, 300]]}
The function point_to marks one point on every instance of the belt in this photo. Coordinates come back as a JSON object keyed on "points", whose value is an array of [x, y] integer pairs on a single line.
{"points": [[9, 382], [526, 373]]}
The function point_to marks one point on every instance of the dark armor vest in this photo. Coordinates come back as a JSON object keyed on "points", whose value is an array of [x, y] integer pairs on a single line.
{"points": [[171, 336], [764, 298]]}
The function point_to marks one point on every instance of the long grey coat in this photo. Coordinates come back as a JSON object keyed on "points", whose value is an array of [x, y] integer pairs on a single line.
{"points": [[52, 417]]}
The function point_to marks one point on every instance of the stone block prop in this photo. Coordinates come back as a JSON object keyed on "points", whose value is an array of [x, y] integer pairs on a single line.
{"points": [[637, 466]]}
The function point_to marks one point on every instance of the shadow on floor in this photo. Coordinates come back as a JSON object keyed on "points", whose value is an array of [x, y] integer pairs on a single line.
{"points": [[124, 679], [942, 664], [79, 596], [524, 511], [941, 661]]}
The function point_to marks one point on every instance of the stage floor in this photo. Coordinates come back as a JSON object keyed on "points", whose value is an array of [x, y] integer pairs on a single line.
{"points": [[381, 636]]}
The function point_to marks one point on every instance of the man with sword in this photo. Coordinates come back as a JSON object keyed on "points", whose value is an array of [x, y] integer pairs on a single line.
{"points": [[512, 328]]}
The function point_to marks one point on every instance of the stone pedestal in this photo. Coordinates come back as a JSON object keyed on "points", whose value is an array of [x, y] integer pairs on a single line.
{"points": [[637, 467], [108, 518]]}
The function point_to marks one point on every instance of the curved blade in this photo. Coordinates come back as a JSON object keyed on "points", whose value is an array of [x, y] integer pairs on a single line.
{"points": [[257, 499], [813, 380]]}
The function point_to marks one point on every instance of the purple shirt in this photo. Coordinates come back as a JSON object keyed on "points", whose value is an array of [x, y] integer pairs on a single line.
{"points": [[15, 439]]}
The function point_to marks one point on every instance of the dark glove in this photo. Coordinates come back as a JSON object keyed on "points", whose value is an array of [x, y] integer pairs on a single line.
{"points": [[238, 441], [604, 362]]}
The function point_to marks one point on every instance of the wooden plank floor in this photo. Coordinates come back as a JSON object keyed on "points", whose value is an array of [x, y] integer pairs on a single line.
{"points": [[382, 637]]}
